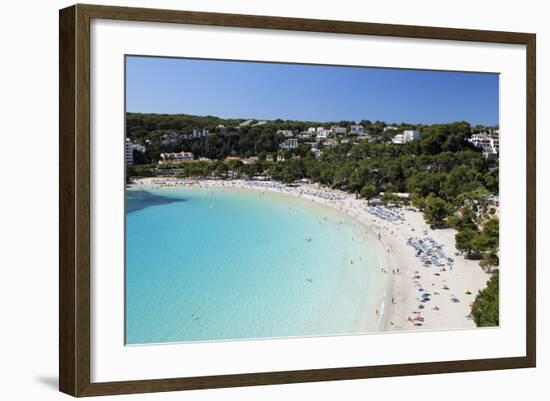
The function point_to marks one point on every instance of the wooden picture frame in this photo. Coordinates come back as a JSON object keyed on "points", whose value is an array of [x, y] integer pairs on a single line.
{"points": [[74, 199]]}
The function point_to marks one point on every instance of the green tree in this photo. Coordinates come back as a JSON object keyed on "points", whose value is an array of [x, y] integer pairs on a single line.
{"points": [[436, 210], [461, 179], [489, 260], [466, 240], [491, 232], [485, 310], [368, 192], [425, 183]]}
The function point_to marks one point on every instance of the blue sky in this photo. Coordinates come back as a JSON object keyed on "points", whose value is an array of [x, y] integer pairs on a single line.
{"points": [[231, 89]]}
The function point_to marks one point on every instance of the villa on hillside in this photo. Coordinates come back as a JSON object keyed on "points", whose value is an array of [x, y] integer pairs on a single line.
{"points": [[197, 133], [289, 143], [406, 136], [323, 133], [489, 144], [337, 130], [306, 135], [176, 157], [285, 132], [357, 129]]}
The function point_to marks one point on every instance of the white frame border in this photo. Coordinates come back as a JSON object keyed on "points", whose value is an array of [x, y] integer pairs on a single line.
{"points": [[111, 361]]}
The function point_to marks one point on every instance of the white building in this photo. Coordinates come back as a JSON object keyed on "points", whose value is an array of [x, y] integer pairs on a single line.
{"points": [[176, 157], [390, 128], [357, 129], [129, 152], [199, 133], [398, 139], [489, 144], [289, 143], [316, 153], [312, 130], [286, 132], [323, 133], [338, 130], [406, 136], [411, 135]]}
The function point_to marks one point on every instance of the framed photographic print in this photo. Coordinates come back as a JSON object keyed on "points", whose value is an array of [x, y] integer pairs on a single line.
{"points": [[250, 200]]}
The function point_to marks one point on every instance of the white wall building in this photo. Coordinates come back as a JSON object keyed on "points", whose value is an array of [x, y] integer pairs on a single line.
{"points": [[338, 130], [390, 128], [357, 129], [411, 135], [176, 157], [129, 152], [289, 143], [489, 144], [286, 132], [323, 133], [406, 136], [199, 133], [398, 139]]}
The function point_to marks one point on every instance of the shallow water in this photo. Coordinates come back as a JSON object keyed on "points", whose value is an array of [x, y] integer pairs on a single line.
{"points": [[206, 265]]}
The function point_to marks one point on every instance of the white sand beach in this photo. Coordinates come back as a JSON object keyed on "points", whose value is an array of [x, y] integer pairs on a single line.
{"points": [[433, 292]]}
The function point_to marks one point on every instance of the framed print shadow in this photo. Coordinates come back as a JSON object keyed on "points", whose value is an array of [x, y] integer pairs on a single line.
{"points": [[249, 200]]}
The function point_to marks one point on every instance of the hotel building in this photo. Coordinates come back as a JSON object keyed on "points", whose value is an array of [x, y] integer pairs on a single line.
{"points": [[289, 143], [129, 152], [176, 157]]}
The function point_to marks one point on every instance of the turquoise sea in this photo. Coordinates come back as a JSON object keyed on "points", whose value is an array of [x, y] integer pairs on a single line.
{"points": [[207, 265]]}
